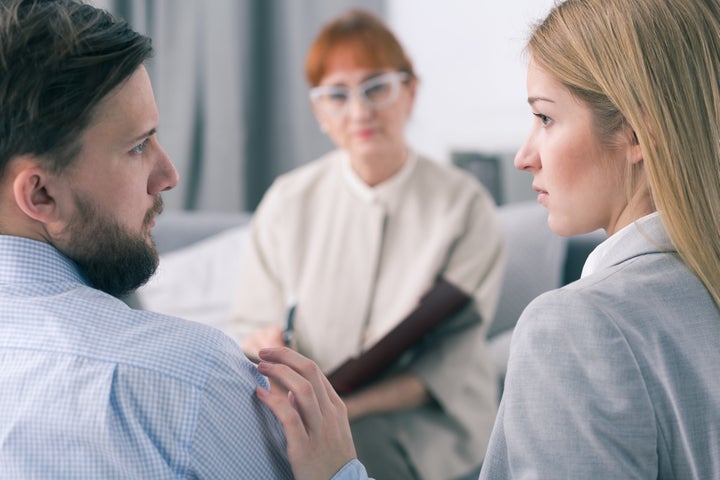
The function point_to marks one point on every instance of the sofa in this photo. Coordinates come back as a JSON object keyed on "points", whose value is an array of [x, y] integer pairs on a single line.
{"points": [[201, 253]]}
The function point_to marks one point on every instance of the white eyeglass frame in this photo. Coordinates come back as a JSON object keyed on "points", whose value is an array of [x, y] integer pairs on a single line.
{"points": [[393, 79]]}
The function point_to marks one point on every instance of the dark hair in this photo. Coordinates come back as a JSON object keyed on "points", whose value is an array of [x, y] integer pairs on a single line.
{"points": [[364, 37], [58, 60]]}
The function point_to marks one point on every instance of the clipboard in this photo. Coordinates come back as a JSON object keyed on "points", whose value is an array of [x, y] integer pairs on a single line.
{"points": [[442, 301]]}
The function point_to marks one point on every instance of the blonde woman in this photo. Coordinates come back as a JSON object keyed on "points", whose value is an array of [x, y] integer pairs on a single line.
{"points": [[616, 375]]}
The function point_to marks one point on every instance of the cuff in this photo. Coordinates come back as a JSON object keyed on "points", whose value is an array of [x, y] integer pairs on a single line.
{"points": [[352, 470]]}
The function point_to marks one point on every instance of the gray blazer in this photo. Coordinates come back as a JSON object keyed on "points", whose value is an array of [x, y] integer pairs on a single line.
{"points": [[616, 375]]}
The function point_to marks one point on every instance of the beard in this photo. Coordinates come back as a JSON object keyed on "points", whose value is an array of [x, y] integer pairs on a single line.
{"points": [[111, 258]]}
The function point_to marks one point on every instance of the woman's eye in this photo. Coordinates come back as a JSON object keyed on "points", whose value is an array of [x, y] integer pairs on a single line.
{"points": [[544, 119], [377, 90], [337, 97]]}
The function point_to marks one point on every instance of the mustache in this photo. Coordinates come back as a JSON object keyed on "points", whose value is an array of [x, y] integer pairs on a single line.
{"points": [[155, 210]]}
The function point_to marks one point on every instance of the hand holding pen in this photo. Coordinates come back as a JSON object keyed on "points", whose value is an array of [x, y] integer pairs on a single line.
{"points": [[272, 336], [289, 333]]}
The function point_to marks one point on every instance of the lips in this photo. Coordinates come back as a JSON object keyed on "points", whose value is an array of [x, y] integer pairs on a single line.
{"points": [[539, 190], [542, 194], [365, 133]]}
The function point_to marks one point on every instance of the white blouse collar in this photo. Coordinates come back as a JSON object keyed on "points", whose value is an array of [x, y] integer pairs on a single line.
{"points": [[383, 191], [596, 259]]}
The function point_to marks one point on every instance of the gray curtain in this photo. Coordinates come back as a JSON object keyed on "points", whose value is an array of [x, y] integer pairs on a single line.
{"points": [[229, 83]]}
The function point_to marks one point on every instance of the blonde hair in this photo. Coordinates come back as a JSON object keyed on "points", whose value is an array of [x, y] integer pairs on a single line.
{"points": [[653, 65]]}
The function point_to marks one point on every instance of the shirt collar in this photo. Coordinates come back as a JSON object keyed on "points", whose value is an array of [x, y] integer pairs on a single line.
{"points": [[383, 191], [23, 260], [644, 235]]}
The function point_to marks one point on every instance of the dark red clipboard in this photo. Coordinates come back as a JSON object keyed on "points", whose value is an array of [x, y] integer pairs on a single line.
{"points": [[438, 304]]}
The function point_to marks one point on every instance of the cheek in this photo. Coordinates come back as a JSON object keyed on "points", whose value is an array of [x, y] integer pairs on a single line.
{"points": [[569, 162], [338, 136], [335, 130], [127, 202], [394, 121]]}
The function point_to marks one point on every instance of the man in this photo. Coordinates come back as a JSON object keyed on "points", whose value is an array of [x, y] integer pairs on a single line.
{"points": [[90, 387]]}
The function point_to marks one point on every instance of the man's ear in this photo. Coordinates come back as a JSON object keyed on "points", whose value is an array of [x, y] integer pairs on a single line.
{"points": [[32, 190]]}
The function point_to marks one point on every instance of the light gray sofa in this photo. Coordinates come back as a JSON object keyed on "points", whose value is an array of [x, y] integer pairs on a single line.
{"points": [[201, 254]]}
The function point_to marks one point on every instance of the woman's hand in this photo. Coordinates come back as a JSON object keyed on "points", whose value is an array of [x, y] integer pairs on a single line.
{"points": [[319, 442], [268, 337]]}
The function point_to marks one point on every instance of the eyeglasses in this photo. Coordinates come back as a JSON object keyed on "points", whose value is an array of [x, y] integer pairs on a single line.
{"points": [[377, 92]]}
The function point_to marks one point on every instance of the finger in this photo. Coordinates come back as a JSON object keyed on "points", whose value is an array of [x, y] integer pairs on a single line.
{"points": [[326, 435], [287, 415], [310, 457], [304, 394], [276, 387], [305, 367], [325, 398], [252, 358]]}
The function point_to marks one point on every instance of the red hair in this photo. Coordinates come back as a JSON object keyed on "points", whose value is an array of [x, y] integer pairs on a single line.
{"points": [[362, 37]]}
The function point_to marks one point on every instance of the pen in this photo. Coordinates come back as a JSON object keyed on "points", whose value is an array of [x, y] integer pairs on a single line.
{"points": [[288, 334]]}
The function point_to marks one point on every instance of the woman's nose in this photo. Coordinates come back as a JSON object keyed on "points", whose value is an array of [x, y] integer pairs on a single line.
{"points": [[358, 106], [527, 157]]}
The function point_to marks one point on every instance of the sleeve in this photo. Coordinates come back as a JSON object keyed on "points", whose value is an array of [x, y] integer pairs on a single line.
{"points": [[260, 300], [353, 470], [457, 349], [476, 261], [575, 404], [236, 435]]}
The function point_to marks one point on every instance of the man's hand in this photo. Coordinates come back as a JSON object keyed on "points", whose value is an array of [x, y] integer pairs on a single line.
{"points": [[319, 442]]}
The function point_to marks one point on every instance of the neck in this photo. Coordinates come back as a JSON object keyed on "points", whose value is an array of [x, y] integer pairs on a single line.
{"points": [[374, 169], [639, 205], [16, 223]]}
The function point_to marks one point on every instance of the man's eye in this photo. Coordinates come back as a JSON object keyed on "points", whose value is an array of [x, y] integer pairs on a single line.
{"points": [[137, 150]]}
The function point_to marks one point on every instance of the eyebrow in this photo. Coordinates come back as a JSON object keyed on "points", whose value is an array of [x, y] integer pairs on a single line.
{"points": [[363, 80], [533, 100], [375, 74], [145, 135]]}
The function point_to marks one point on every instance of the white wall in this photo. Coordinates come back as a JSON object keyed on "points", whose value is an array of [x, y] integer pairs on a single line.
{"points": [[468, 55]]}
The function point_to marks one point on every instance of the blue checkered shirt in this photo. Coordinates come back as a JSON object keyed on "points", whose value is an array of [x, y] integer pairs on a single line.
{"points": [[90, 388]]}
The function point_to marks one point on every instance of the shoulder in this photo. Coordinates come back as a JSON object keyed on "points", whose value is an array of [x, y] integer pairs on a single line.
{"points": [[585, 304], [299, 181], [571, 342], [451, 192], [448, 178], [294, 192], [563, 313], [647, 293], [186, 351]]}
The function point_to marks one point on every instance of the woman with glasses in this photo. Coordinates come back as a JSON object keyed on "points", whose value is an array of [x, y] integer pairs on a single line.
{"points": [[615, 375], [350, 243]]}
